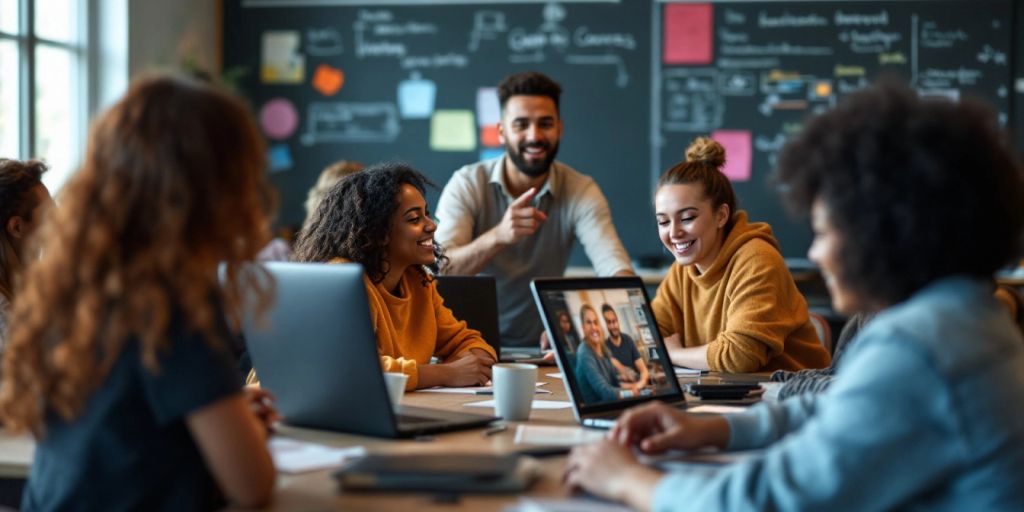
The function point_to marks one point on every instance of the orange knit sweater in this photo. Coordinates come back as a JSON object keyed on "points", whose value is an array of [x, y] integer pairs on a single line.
{"points": [[745, 307], [415, 326]]}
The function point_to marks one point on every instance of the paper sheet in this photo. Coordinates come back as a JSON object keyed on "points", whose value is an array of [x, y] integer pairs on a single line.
{"points": [[566, 505], [293, 456], [537, 404], [682, 371], [717, 409], [556, 435], [475, 390]]}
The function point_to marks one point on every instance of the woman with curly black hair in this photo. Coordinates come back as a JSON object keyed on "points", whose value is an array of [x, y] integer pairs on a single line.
{"points": [[379, 218], [915, 203]]}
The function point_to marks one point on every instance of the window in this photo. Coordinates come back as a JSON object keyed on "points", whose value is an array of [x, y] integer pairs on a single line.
{"points": [[43, 97]]}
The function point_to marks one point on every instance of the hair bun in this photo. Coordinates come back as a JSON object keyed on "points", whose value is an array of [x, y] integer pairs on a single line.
{"points": [[707, 150]]}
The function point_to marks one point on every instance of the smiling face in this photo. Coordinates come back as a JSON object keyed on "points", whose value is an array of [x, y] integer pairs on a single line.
{"points": [[411, 240], [591, 327], [689, 225], [824, 252], [530, 130], [612, 321]]}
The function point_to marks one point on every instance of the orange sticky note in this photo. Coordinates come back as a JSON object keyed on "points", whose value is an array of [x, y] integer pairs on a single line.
{"points": [[489, 136], [328, 80]]}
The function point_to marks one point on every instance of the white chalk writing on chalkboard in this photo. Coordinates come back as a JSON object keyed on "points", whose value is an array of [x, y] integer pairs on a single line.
{"points": [[486, 25], [350, 122], [324, 42]]}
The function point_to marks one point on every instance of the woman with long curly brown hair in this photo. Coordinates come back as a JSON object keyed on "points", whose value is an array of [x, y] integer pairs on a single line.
{"points": [[118, 360], [23, 199], [379, 218]]}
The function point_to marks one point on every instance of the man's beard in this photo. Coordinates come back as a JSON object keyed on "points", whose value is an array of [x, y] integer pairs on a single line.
{"points": [[532, 170]]}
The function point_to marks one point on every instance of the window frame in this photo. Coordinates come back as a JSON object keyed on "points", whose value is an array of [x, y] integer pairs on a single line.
{"points": [[80, 51]]}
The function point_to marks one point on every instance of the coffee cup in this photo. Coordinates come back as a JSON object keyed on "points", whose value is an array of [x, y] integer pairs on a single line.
{"points": [[396, 387], [514, 386]]}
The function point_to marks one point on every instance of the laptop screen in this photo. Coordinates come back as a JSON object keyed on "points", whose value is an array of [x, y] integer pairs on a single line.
{"points": [[608, 345]]}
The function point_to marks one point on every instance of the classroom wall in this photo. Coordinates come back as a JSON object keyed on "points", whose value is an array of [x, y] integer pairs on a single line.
{"points": [[168, 34]]}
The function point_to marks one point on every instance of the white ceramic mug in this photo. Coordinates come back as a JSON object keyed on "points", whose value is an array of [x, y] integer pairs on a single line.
{"points": [[396, 387], [514, 386]]}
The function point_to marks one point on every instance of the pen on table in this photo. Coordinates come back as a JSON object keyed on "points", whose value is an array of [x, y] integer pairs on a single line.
{"points": [[483, 392], [497, 429]]}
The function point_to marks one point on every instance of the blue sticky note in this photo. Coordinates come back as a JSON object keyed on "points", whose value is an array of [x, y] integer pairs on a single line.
{"points": [[416, 97], [279, 157], [489, 153]]}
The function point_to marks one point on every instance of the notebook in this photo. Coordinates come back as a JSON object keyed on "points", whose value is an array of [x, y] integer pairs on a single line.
{"points": [[317, 352], [584, 347]]}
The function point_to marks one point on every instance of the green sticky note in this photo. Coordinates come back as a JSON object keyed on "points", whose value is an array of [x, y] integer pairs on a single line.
{"points": [[452, 130]]}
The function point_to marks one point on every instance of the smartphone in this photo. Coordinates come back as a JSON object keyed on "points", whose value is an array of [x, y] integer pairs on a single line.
{"points": [[722, 391]]}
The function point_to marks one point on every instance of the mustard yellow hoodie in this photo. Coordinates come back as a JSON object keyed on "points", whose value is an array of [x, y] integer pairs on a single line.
{"points": [[745, 307], [415, 326]]}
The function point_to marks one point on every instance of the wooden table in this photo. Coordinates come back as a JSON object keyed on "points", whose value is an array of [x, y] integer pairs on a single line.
{"points": [[318, 491]]}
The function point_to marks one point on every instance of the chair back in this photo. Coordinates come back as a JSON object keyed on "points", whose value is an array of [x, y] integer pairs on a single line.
{"points": [[822, 328]]}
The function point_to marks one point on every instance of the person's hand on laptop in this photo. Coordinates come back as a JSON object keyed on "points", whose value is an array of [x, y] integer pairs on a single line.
{"points": [[657, 427], [610, 470]]}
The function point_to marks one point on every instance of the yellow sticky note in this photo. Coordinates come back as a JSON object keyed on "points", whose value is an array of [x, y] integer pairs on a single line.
{"points": [[452, 130]]}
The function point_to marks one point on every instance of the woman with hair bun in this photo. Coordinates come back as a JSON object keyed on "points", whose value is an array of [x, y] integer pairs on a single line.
{"points": [[728, 302]]}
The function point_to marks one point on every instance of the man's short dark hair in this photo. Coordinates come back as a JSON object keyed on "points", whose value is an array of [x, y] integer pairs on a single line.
{"points": [[919, 189], [528, 83], [605, 308]]}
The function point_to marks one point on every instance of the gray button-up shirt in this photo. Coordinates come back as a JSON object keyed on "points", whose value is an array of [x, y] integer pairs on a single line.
{"points": [[475, 200]]}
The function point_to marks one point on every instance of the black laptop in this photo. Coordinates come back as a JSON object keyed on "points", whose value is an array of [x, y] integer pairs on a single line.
{"points": [[317, 352], [627, 297], [475, 300]]}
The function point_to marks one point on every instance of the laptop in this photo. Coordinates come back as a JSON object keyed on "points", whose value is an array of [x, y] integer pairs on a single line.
{"points": [[317, 352], [595, 388], [475, 300]]}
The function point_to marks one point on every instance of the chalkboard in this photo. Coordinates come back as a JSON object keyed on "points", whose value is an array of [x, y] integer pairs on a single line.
{"points": [[749, 73], [412, 80]]}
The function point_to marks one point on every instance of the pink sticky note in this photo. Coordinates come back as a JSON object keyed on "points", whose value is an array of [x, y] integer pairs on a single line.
{"points": [[688, 30], [279, 119], [738, 153]]}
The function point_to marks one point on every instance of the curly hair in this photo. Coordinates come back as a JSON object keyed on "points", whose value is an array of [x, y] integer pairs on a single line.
{"points": [[355, 216], [173, 182], [704, 160], [918, 188], [528, 83], [17, 180]]}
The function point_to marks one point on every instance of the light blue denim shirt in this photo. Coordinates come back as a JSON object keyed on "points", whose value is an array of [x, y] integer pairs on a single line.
{"points": [[925, 414]]}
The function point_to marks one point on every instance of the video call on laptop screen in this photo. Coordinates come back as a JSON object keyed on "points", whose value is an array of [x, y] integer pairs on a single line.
{"points": [[607, 340]]}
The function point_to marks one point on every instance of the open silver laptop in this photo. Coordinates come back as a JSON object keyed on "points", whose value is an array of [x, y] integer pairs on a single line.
{"points": [[317, 352], [598, 389]]}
